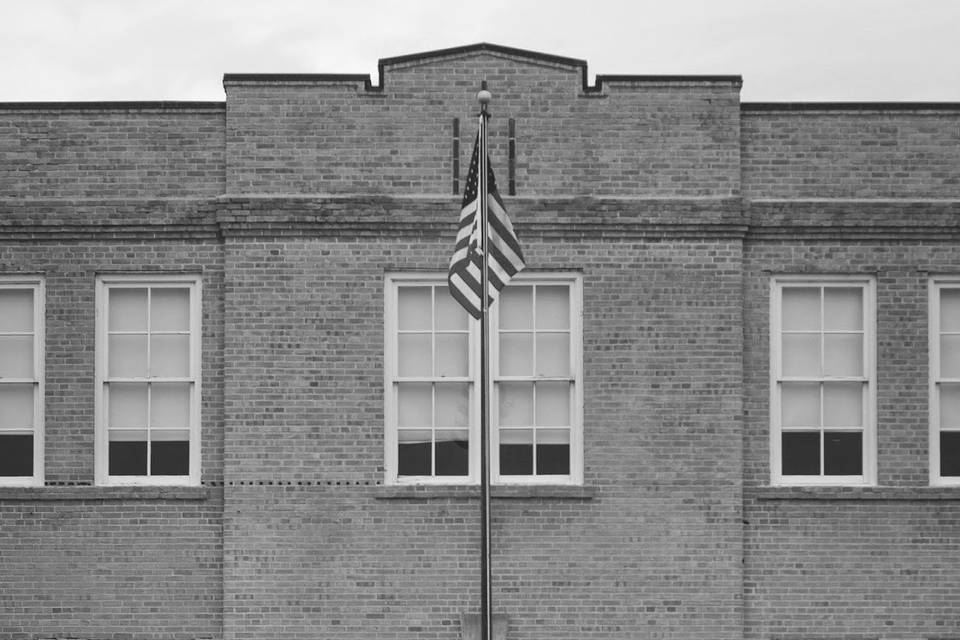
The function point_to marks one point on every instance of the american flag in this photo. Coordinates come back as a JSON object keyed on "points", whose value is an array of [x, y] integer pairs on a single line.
{"points": [[505, 259]]}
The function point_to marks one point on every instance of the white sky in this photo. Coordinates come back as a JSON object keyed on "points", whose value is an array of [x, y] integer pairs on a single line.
{"points": [[786, 50]]}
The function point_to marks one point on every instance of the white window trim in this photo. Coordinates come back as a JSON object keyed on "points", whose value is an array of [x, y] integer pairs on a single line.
{"points": [[936, 285], [868, 283], [391, 280], [37, 285], [103, 284]]}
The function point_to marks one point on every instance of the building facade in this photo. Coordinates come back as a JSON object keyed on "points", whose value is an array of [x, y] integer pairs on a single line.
{"points": [[236, 400]]}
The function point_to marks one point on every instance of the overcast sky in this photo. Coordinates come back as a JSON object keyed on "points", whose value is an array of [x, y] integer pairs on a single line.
{"points": [[786, 50]]}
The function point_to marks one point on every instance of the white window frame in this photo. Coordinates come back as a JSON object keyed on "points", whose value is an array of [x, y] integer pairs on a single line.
{"points": [[936, 285], [37, 285], [869, 461], [103, 284], [391, 283]]}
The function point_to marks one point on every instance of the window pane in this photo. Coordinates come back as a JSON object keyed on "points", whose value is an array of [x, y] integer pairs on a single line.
{"points": [[800, 404], [449, 314], [950, 453], [16, 310], [170, 405], [413, 308], [949, 405], [452, 453], [414, 357], [128, 405], [516, 307], [170, 356], [16, 455], [843, 404], [553, 354], [170, 309], [516, 452], [128, 356], [553, 403], [950, 309], [128, 452], [453, 405], [843, 354], [452, 355], [801, 355], [950, 356], [170, 453], [516, 403], [801, 309], [128, 309], [553, 452], [16, 356], [842, 454], [414, 404], [843, 309], [800, 453], [516, 354], [414, 453], [553, 307], [16, 406]]}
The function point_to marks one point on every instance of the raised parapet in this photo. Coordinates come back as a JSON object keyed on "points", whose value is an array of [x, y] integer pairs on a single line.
{"points": [[627, 136]]}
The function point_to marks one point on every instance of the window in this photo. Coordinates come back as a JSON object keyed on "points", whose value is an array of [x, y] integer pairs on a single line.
{"points": [[822, 381], [432, 379], [945, 381], [21, 381], [148, 380]]}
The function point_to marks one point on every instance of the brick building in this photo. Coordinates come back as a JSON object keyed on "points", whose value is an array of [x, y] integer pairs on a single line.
{"points": [[235, 401]]}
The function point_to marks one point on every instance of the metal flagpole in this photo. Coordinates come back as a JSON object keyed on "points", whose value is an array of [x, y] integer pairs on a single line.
{"points": [[486, 590]]}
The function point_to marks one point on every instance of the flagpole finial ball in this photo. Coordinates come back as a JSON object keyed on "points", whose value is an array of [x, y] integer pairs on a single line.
{"points": [[483, 97]]}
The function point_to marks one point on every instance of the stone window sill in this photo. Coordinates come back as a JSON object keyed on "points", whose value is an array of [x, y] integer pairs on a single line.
{"points": [[428, 492], [852, 493], [108, 493]]}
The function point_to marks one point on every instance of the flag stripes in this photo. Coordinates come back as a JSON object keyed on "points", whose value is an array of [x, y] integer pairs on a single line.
{"points": [[505, 258]]}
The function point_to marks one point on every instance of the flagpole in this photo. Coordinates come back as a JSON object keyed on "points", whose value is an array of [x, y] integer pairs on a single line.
{"points": [[486, 589]]}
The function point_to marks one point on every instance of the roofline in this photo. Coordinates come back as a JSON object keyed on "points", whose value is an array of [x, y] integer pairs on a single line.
{"points": [[574, 63], [761, 107], [147, 105]]}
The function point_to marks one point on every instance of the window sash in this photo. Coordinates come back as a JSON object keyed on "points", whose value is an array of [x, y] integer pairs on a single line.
{"points": [[154, 437], [35, 381], [821, 379], [393, 282], [937, 381]]}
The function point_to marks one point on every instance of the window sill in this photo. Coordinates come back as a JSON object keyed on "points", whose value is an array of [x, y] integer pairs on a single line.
{"points": [[108, 493], [852, 493], [499, 492]]}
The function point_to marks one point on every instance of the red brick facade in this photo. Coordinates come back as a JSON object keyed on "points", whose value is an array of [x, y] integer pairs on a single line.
{"points": [[292, 200]]}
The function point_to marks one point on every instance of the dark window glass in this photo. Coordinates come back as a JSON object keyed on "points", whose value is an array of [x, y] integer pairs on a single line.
{"points": [[16, 455], [516, 459], [452, 458], [842, 454], [170, 459], [950, 453], [800, 453], [413, 459], [553, 459], [128, 458]]}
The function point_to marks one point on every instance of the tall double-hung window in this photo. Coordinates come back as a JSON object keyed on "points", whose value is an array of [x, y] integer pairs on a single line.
{"points": [[823, 380], [432, 382], [945, 381], [148, 379], [21, 381]]}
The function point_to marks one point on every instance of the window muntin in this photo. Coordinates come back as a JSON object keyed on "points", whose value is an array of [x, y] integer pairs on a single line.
{"points": [[945, 381], [822, 381], [21, 381], [432, 383], [148, 370]]}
